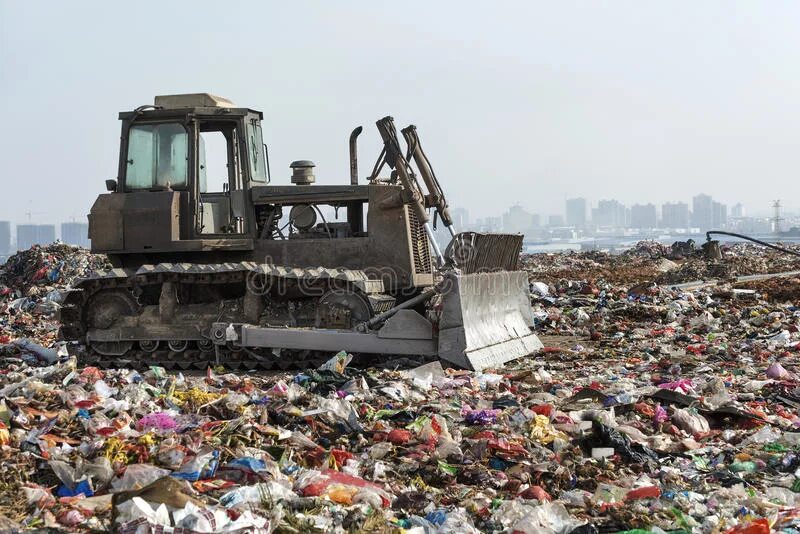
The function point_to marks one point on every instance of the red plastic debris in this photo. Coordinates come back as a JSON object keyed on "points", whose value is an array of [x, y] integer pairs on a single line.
{"points": [[644, 409], [536, 492], [330, 477], [341, 456], [543, 409], [647, 492], [696, 349], [759, 526], [507, 449], [398, 436]]}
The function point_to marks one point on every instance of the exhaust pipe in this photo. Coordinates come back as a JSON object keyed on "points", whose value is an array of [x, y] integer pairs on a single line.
{"points": [[354, 155]]}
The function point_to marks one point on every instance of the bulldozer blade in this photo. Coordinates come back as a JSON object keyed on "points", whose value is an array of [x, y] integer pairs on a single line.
{"points": [[486, 319]]}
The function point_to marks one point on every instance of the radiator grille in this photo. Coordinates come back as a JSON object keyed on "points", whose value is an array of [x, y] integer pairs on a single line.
{"points": [[476, 252], [420, 247], [380, 302]]}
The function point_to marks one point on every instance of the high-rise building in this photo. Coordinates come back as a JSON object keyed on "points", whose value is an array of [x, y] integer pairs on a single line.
{"points": [[576, 212], [35, 234], [45, 234], [675, 215], [610, 214], [702, 212], [719, 215], [488, 224], [77, 234], [517, 220], [26, 236], [643, 216], [460, 218], [555, 221], [5, 238], [738, 211]]}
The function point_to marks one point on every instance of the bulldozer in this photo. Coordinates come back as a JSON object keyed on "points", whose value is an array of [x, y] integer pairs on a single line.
{"points": [[212, 263]]}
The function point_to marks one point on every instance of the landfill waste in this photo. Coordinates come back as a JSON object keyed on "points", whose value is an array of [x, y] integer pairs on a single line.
{"points": [[649, 261], [652, 408], [32, 285]]}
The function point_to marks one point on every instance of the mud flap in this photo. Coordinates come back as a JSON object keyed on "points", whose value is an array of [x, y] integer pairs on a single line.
{"points": [[486, 319]]}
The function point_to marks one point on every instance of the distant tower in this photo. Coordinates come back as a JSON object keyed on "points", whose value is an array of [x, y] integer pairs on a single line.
{"points": [[777, 219]]}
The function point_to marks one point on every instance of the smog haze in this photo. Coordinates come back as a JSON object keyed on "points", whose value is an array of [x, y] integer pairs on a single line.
{"points": [[516, 102]]}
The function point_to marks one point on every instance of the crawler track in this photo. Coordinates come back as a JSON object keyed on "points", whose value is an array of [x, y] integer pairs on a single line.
{"points": [[226, 283]]}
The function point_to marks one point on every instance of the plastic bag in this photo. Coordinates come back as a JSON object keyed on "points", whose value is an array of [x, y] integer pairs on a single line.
{"points": [[693, 423], [201, 466], [137, 476], [778, 372], [44, 354], [337, 486], [272, 491], [547, 518], [457, 522], [424, 376], [338, 363], [622, 445]]}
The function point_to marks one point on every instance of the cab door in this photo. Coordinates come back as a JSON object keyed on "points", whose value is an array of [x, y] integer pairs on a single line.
{"points": [[220, 201]]}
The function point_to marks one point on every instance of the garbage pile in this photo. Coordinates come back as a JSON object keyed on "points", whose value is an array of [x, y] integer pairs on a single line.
{"points": [[651, 409], [652, 261], [786, 289], [32, 283]]}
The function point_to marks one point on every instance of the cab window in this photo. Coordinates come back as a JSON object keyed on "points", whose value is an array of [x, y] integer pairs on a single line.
{"points": [[158, 156], [255, 145]]}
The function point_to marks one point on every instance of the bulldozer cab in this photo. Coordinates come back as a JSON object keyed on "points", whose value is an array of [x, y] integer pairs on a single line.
{"points": [[186, 166], [226, 168]]}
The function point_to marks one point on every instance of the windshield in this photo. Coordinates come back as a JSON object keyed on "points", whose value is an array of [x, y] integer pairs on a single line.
{"points": [[158, 156]]}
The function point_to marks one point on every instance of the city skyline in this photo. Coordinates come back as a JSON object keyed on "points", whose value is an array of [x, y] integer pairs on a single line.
{"points": [[751, 208], [23, 236], [700, 213]]}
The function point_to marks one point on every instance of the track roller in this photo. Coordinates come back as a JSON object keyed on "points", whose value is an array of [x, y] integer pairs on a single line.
{"points": [[148, 345], [177, 345]]}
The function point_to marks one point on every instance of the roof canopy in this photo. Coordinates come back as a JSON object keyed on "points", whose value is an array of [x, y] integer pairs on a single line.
{"points": [[192, 100]]}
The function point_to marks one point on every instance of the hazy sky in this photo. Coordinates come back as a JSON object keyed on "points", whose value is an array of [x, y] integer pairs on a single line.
{"points": [[516, 102]]}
